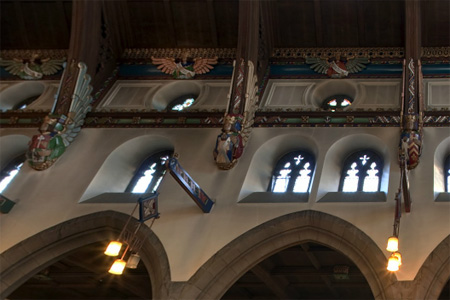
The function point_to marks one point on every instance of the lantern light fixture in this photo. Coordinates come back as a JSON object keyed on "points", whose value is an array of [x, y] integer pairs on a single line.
{"points": [[392, 244], [117, 267], [393, 263]]}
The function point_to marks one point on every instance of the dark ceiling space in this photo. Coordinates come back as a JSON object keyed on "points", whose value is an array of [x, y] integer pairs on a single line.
{"points": [[214, 23], [83, 274], [306, 271]]}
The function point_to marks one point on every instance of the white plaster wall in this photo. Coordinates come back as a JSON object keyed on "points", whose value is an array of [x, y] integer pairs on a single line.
{"points": [[191, 237]]}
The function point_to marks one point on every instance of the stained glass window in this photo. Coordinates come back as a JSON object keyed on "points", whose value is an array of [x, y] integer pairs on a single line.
{"points": [[337, 102], [150, 173], [361, 172], [8, 173], [293, 173], [181, 103]]}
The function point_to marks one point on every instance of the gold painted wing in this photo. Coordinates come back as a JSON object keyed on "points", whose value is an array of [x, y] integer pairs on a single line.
{"points": [[204, 65], [166, 65]]}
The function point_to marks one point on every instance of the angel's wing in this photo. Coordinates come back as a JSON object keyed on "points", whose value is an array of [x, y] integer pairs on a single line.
{"points": [[166, 65], [13, 66], [318, 65], [357, 64], [80, 106], [204, 65], [52, 66]]}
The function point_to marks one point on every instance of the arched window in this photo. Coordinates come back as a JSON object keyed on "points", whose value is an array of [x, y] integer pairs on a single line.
{"points": [[447, 174], [337, 102], [293, 173], [181, 103], [150, 173], [361, 172], [8, 173]]}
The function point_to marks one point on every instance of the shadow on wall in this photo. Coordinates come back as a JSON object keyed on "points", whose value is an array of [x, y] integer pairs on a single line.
{"points": [[120, 166]]}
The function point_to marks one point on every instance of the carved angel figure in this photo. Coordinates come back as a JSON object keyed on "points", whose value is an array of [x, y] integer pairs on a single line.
{"points": [[184, 67], [58, 131], [32, 68], [337, 68]]}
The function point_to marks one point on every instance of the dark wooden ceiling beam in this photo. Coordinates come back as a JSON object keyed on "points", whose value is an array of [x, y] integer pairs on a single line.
{"points": [[315, 262], [120, 281]]}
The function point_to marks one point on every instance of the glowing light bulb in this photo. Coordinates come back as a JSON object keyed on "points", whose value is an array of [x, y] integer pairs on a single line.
{"points": [[392, 245], [399, 257], [393, 263], [113, 248], [117, 267]]}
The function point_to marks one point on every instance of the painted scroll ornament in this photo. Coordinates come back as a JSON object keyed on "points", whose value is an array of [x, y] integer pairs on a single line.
{"points": [[338, 67], [184, 67], [57, 132], [32, 68]]}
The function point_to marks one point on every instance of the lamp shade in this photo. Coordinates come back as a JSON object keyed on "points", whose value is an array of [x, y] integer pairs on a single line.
{"points": [[392, 245], [113, 248], [399, 257], [393, 263], [117, 267], [133, 261]]}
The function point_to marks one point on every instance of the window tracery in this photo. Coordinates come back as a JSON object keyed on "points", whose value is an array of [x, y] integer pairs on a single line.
{"points": [[150, 173], [293, 173], [361, 172], [8, 173]]}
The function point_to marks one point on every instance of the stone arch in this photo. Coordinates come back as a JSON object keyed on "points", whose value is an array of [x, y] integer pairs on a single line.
{"points": [[434, 273], [23, 260], [13, 95], [266, 157], [219, 273]]}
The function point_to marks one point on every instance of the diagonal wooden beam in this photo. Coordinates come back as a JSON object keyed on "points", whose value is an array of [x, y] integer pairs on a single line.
{"points": [[276, 285], [315, 262]]}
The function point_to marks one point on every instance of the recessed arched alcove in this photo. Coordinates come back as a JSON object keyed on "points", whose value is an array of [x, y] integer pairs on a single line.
{"points": [[174, 90], [33, 256], [12, 146], [339, 151], [221, 271], [265, 158], [17, 93], [440, 154], [328, 88], [121, 164]]}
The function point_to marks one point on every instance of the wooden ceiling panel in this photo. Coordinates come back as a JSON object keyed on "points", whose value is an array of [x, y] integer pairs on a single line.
{"points": [[295, 24], [46, 24], [151, 25], [226, 18], [340, 23], [382, 22], [35, 25], [192, 24], [435, 23]]}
